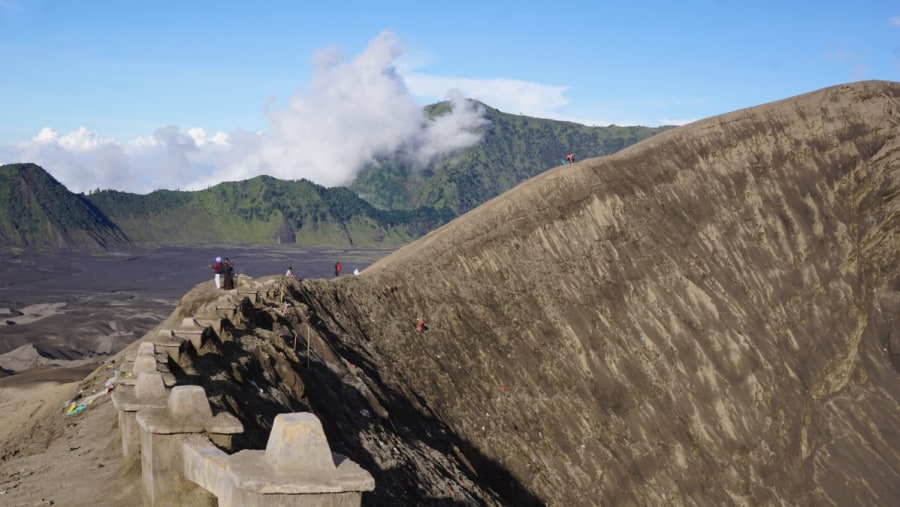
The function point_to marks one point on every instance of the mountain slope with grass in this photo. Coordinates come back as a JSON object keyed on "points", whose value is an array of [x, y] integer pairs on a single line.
{"points": [[391, 202], [38, 212], [513, 149], [262, 211]]}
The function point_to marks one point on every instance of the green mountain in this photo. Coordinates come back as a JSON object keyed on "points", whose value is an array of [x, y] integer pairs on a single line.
{"points": [[513, 148], [263, 210], [392, 202], [38, 212]]}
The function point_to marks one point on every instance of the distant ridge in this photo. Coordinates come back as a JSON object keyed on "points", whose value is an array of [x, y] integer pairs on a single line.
{"points": [[391, 203], [38, 212], [30, 356]]}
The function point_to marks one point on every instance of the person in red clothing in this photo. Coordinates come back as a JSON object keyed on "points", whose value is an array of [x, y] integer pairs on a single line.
{"points": [[218, 268], [337, 268]]}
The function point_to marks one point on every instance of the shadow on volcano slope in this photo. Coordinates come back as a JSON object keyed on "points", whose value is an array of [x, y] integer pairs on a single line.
{"points": [[705, 317]]}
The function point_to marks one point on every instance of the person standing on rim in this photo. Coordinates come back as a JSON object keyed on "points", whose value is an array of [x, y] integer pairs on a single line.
{"points": [[337, 268], [217, 269], [228, 274]]}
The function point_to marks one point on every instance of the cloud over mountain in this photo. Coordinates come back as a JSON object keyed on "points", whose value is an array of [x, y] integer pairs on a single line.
{"points": [[352, 111]]}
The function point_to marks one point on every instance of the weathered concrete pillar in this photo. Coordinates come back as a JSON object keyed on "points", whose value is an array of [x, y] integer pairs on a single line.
{"points": [[162, 434], [145, 360], [168, 343], [207, 466], [191, 330], [297, 468], [148, 392]]}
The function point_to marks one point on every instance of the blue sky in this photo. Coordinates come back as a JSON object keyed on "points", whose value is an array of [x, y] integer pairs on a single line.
{"points": [[141, 95]]}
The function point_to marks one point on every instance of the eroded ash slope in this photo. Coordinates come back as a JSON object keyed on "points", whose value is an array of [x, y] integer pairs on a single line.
{"points": [[707, 317]]}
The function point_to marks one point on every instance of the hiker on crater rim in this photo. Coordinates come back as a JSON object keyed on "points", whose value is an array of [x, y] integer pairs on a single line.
{"points": [[290, 272], [337, 268], [218, 269], [228, 274]]}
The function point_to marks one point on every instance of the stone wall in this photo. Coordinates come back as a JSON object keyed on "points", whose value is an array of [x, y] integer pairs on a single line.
{"points": [[184, 448]]}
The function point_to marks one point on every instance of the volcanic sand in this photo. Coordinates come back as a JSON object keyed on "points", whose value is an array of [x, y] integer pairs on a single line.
{"points": [[63, 319]]}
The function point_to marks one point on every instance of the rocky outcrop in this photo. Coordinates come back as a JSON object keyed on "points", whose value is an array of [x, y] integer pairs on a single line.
{"points": [[707, 317]]}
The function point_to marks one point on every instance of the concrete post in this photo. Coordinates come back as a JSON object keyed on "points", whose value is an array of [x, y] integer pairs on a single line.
{"points": [[148, 392], [162, 434], [167, 342], [145, 360], [191, 330], [297, 468]]}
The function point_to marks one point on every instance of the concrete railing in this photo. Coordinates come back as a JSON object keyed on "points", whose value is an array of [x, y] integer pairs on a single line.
{"points": [[296, 468], [183, 447], [162, 433]]}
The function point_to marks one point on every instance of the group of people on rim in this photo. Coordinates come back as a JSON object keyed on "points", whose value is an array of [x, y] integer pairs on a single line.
{"points": [[224, 273], [337, 271]]}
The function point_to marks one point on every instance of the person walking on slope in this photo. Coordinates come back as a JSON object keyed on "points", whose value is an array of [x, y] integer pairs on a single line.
{"points": [[217, 269], [337, 268]]}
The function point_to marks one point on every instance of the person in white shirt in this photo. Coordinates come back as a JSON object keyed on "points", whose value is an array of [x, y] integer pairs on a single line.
{"points": [[218, 268]]}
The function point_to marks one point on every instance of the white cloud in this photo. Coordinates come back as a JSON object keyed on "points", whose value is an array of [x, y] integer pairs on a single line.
{"points": [[508, 95], [894, 20], [81, 140], [79, 160], [352, 112], [677, 121], [200, 138], [451, 132]]}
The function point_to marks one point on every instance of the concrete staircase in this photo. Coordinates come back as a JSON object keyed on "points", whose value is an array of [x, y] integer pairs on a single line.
{"points": [[184, 449]]}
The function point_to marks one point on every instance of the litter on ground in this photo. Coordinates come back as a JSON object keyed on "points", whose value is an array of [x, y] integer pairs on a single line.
{"points": [[78, 405]]}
